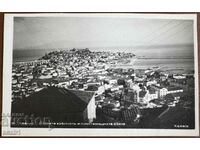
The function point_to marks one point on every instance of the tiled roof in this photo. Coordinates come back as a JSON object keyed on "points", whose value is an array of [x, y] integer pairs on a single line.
{"points": [[173, 88], [142, 93], [83, 95], [56, 100], [177, 94], [152, 91], [159, 87]]}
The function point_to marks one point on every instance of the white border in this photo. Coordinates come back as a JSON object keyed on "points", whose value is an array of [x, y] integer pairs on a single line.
{"points": [[99, 6], [7, 76]]}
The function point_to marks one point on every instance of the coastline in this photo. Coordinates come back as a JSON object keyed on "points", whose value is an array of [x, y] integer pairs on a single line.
{"points": [[177, 65]]}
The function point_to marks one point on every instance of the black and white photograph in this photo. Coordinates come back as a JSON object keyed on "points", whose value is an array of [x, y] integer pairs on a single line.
{"points": [[100, 74]]}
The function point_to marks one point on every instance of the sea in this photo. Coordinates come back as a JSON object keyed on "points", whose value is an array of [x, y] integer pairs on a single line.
{"points": [[28, 54], [168, 60], [171, 65]]}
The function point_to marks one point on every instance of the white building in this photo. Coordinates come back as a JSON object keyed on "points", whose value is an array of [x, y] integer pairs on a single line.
{"points": [[179, 76], [151, 94], [113, 81], [90, 112], [151, 82], [174, 90], [162, 91]]}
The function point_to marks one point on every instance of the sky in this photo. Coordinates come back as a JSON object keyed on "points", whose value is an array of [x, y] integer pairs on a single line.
{"points": [[97, 32]]}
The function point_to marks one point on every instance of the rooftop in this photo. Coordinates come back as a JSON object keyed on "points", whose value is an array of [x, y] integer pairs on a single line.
{"points": [[54, 99], [173, 88], [142, 93]]}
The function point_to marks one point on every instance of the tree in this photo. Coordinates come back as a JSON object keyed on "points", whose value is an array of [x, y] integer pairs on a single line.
{"points": [[157, 74], [121, 82], [36, 72], [105, 82]]}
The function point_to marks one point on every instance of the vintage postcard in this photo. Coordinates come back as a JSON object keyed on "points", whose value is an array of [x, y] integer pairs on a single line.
{"points": [[100, 74]]}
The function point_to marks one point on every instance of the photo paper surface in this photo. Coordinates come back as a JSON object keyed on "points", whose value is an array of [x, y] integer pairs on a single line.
{"points": [[100, 75]]}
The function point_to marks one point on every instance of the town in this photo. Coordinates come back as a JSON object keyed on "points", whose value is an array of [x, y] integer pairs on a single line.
{"points": [[121, 97]]}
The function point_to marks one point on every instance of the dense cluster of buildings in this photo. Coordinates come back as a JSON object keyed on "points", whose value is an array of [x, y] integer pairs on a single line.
{"points": [[119, 94]]}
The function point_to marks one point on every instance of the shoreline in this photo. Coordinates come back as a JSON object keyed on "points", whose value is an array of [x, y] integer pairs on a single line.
{"points": [[162, 68], [164, 58], [31, 60]]}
